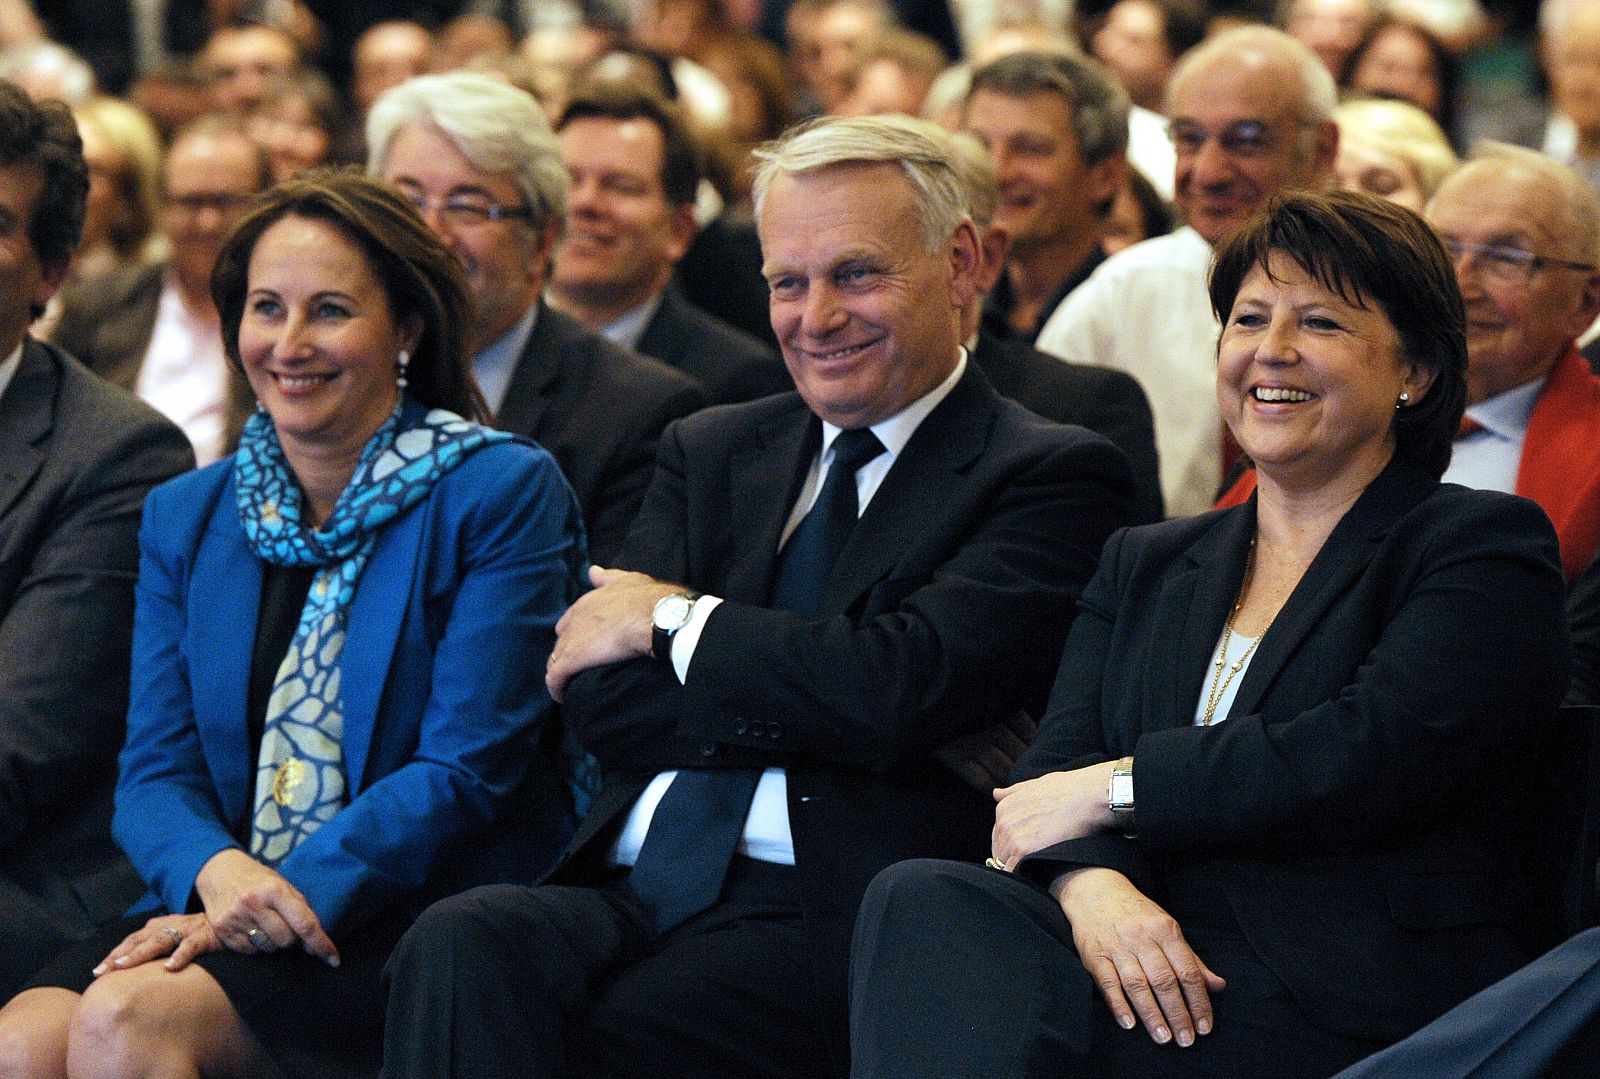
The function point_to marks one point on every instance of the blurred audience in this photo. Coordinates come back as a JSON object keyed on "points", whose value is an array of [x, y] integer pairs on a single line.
{"points": [[1391, 149], [1405, 61], [1141, 41], [1332, 29], [386, 55], [1137, 214], [300, 124], [46, 70], [237, 62], [894, 76], [152, 328]]}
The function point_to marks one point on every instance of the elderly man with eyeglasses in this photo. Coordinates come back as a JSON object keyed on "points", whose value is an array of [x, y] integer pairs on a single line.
{"points": [[1524, 232], [477, 159], [1250, 115]]}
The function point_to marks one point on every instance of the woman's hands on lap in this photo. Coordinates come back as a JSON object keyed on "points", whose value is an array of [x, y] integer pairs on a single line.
{"points": [[1136, 954], [1056, 807], [241, 894], [177, 938]]}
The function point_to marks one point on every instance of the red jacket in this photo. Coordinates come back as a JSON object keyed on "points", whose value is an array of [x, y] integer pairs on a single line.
{"points": [[1560, 467]]}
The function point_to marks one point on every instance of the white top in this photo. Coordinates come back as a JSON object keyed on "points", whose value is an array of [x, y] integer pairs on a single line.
{"points": [[8, 367], [766, 835], [1237, 647], [1145, 311], [185, 374], [1150, 149], [1489, 459]]}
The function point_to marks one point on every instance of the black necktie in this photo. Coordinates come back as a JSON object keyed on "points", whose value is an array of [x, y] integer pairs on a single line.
{"points": [[696, 826]]}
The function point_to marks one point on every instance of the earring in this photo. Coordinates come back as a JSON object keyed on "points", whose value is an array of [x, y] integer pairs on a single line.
{"points": [[401, 363], [1405, 396]]}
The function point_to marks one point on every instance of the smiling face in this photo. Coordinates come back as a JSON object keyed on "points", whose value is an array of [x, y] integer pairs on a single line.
{"points": [[623, 237], [1308, 382], [504, 260], [1516, 330], [1218, 188], [867, 318], [317, 340], [1047, 195]]}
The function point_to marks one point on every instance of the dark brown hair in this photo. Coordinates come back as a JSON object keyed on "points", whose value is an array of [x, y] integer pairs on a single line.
{"points": [[419, 277], [680, 157], [1368, 250], [44, 135]]}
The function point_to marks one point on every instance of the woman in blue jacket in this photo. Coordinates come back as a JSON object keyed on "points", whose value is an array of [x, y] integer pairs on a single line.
{"points": [[339, 643]]}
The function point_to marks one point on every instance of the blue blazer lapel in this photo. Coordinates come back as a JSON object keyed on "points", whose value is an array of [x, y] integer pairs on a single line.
{"points": [[376, 614], [1349, 550], [224, 601], [1192, 610], [764, 480]]}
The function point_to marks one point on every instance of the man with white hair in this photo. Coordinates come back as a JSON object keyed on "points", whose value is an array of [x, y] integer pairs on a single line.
{"points": [[1250, 115], [827, 599], [476, 157]]}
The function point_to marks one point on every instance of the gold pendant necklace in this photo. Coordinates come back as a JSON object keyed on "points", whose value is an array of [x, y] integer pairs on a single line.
{"points": [[1219, 684]]}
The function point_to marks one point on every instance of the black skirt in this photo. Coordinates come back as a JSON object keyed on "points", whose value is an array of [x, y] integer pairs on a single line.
{"points": [[312, 1020]]}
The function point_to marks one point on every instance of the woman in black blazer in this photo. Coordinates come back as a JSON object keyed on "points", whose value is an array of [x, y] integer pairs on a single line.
{"points": [[1269, 816]]}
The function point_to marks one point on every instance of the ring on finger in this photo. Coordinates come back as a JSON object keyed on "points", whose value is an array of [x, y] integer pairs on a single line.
{"points": [[995, 863], [175, 933], [258, 939]]}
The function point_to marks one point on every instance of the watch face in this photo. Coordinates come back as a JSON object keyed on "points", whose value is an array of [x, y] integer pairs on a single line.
{"points": [[671, 612]]}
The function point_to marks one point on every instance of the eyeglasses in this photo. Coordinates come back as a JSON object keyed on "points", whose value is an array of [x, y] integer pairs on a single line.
{"points": [[464, 211], [1242, 138], [1509, 264]]}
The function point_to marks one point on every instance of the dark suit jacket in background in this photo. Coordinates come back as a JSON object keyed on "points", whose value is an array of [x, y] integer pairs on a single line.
{"points": [[942, 617], [76, 460], [598, 409], [1354, 812], [729, 363], [1107, 402], [721, 273], [106, 322]]}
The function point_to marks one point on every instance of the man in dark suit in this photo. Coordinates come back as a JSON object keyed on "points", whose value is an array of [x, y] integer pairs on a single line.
{"points": [[1105, 401], [770, 677], [153, 330], [630, 218], [78, 457], [478, 160]]}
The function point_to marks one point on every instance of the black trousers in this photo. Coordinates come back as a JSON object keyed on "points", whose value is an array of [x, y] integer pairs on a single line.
{"points": [[572, 981], [958, 970]]}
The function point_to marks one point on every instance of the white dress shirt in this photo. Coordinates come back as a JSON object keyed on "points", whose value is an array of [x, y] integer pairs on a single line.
{"points": [[185, 376], [1490, 458], [494, 365]]}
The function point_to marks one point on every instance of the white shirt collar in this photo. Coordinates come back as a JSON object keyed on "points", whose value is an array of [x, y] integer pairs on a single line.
{"points": [[9, 365], [897, 430]]}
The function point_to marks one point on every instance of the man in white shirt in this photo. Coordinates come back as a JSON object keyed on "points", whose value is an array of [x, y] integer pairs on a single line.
{"points": [[769, 727], [1250, 115], [154, 329]]}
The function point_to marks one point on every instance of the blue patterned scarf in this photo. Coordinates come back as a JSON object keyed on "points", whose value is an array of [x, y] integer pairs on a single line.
{"points": [[300, 780]]}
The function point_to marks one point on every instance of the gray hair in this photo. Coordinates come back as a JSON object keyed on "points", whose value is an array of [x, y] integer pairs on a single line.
{"points": [[497, 127], [1097, 102], [925, 152], [1581, 202], [982, 182], [1266, 46]]}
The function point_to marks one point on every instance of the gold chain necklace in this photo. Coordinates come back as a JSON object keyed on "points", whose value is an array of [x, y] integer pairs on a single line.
{"points": [[1219, 684]]}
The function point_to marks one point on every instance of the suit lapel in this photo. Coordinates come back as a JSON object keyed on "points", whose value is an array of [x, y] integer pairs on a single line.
{"points": [[539, 366], [27, 416], [376, 614], [1345, 556], [224, 602], [764, 480], [924, 482], [1191, 611]]}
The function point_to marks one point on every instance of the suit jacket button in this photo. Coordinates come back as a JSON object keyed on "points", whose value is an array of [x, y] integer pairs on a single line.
{"points": [[757, 728], [740, 726], [708, 749], [774, 730]]}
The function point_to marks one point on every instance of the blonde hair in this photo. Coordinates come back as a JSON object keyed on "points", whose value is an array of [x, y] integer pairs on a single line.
{"points": [[1401, 130]]}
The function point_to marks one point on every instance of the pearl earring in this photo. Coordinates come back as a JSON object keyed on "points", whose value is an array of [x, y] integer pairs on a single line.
{"points": [[401, 362], [1405, 396]]}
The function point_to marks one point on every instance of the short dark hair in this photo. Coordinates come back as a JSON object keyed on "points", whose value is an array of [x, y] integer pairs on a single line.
{"points": [[1183, 24], [44, 135], [1368, 250], [1098, 103], [680, 157], [417, 273]]}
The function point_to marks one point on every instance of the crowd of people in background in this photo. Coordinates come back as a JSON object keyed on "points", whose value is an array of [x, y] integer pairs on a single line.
{"points": [[492, 556]]}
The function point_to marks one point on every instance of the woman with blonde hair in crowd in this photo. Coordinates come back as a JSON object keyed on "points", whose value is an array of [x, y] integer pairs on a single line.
{"points": [[1391, 149]]}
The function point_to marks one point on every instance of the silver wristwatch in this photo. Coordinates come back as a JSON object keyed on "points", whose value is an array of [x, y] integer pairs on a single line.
{"points": [[1119, 795]]}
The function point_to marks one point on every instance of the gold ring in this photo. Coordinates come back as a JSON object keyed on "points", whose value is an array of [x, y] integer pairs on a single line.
{"points": [[175, 934], [995, 863]]}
